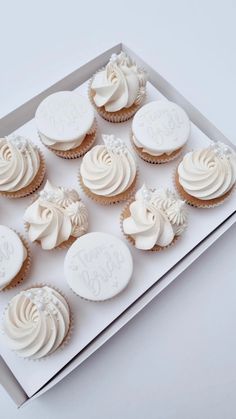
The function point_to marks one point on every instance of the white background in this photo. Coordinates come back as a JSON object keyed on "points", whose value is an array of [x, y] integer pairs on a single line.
{"points": [[176, 359]]}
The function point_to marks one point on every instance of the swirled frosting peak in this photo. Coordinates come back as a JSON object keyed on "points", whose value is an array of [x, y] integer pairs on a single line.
{"points": [[108, 169], [156, 217], [19, 163], [36, 322], [120, 85], [57, 214], [208, 173]]}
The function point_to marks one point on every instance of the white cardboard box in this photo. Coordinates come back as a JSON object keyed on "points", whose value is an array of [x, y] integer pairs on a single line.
{"points": [[25, 113]]}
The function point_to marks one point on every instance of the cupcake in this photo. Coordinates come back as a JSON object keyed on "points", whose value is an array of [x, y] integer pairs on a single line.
{"points": [[22, 167], [66, 124], [206, 177], [14, 258], [154, 219], [36, 322], [56, 217], [108, 172], [98, 266], [118, 90], [160, 129]]}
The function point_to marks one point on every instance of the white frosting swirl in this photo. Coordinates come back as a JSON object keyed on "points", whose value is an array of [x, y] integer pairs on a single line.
{"points": [[56, 215], [19, 163], [66, 145], [108, 169], [120, 85], [208, 173], [156, 217], [36, 322]]}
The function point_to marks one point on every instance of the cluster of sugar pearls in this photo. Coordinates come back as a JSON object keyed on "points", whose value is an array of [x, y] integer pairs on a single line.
{"points": [[145, 193], [221, 150], [125, 60], [21, 143], [159, 198], [43, 299], [61, 196], [49, 196], [167, 201], [121, 59], [114, 144]]}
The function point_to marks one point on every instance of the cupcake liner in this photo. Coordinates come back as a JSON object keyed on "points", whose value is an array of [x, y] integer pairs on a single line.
{"points": [[33, 186], [164, 158], [79, 151], [125, 214], [109, 200], [24, 271], [116, 117], [70, 330], [195, 202], [66, 244]]}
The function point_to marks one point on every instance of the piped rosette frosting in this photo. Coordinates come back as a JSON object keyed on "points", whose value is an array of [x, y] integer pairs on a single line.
{"points": [[110, 169], [55, 216], [208, 173], [120, 85], [156, 217], [19, 163], [36, 322]]}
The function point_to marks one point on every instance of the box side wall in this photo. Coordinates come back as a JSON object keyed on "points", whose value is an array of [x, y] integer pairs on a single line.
{"points": [[11, 385]]}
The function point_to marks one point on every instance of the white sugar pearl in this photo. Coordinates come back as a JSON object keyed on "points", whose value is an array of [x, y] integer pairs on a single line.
{"points": [[40, 306]]}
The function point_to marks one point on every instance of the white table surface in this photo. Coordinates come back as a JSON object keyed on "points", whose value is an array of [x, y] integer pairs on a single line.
{"points": [[176, 359]]}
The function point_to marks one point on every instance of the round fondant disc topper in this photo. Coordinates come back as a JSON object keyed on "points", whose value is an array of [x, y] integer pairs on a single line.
{"points": [[98, 266], [161, 127], [64, 116], [12, 255]]}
